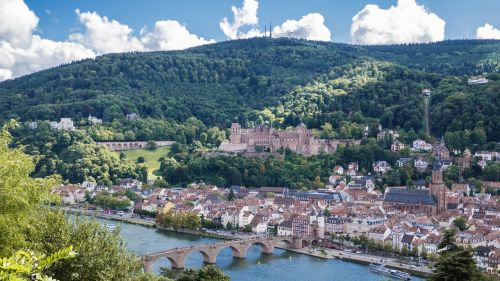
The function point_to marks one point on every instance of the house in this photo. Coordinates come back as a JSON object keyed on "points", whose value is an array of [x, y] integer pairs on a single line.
{"points": [[431, 242], [381, 167], [477, 81], [445, 164], [259, 223], [361, 226], [485, 155], [285, 228], [421, 164], [246, 218], [230, 218], [351, 172], [379, 233], [129, 183], [407, 241], [133, 116], [461, 188], [482, 254], [335, 224], [65, 124], [397, 146], [338, 170], [403, 161], [440, 151], [301, 226], [94, 120], [88, 185], [387, 133], [353, 165], [421, 145], [482, 163]]}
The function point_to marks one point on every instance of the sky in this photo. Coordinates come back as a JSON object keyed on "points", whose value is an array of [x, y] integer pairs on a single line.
{"points": [[36, 34]]}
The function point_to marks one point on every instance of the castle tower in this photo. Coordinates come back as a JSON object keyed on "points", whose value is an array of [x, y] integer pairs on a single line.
{"points": [[438, 189], [235, 137]]}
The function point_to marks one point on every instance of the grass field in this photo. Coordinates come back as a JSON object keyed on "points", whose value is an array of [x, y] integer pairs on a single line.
{"points": [[151, 157]]}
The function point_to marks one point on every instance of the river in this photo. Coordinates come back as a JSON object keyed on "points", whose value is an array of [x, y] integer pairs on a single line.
{"points": [[281, 266]]}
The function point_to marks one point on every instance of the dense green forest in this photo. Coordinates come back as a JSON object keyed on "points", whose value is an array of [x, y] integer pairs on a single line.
{"points": [[296, 80], [192, 96]]}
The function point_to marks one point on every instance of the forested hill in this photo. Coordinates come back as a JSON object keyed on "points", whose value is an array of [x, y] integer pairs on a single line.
{"points": [[218, 82]]}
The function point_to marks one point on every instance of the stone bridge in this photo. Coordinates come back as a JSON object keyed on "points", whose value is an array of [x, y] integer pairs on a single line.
{"points": [[210, 252], [128, 145]]}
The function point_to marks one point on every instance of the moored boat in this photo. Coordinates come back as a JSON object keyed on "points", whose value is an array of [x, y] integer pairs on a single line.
{"points": [[392, 273], [110, 226]]}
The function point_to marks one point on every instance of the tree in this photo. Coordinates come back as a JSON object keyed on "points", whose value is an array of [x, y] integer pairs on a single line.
{"points": [[151, 145], [206, 273], [455, 262], [270, 195], [231, 196], [141, 159], [327, 213], [460, 223], [28, 265], [26, 223], [21, 195]]}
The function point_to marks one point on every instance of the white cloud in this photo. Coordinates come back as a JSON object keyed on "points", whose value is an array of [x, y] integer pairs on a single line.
{"points": [[22, 52], [104, 35], [17, 22], [487, 31], [311, 27], [170, 35], [244, 16], [406, 22]]}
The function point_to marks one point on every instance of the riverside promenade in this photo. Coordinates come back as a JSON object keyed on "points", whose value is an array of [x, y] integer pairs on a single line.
{"points": [[363, 258]]}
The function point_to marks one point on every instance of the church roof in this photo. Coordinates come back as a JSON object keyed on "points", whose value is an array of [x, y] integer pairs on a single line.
{"points": [[409, 196]]}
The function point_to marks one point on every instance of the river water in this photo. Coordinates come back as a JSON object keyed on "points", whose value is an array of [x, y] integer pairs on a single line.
{"points": [[282, 265]]}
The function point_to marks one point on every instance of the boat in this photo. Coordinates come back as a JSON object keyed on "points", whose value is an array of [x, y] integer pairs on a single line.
{"points": [[391, 273], [110, 226]]}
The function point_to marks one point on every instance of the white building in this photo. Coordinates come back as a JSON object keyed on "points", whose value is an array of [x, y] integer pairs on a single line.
{"points": [[485, 155], [65, 124], [421, 145], [477, 80], [285, 228], [381, 167], [94, 120], [420, 164]]}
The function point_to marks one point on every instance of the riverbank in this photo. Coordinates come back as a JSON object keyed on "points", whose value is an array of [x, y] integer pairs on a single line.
{"points": [[364, 259], [147, 223], [361, 259]]}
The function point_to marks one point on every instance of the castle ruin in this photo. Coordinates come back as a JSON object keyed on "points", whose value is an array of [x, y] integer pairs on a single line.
{"points": [[298, 139]]}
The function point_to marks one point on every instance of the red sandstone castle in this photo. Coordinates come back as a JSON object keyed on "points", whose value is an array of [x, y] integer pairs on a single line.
{"points": [[299, 140]]}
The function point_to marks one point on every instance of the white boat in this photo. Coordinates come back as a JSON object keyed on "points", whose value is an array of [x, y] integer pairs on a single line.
{"points": [[110, 226], [392, 273]]}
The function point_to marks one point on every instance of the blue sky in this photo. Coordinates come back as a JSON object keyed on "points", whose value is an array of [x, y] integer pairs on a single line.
{"points": [[202, 17], [37, 34]]}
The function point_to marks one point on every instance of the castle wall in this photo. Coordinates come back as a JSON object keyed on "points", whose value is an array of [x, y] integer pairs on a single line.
{"points": [[299, 140]]}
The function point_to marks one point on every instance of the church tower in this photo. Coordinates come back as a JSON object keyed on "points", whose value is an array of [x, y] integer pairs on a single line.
{"points": [[438, 189], [235, 133]]}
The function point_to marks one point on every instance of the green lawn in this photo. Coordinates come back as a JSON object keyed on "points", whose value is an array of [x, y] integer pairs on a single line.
{"points": [[151, 157]]}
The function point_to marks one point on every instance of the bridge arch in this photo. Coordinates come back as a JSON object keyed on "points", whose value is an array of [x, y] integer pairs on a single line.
{"points": [[266, 247]]}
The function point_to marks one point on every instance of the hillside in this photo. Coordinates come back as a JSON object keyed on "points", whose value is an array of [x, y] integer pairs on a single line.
{"points": [[218, 82]]}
